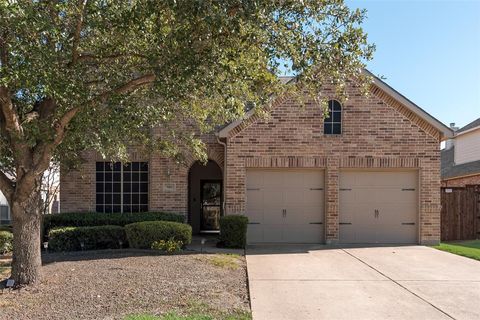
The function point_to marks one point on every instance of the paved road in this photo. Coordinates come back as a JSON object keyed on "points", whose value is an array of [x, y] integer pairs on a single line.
{"points": [[317, 282]]}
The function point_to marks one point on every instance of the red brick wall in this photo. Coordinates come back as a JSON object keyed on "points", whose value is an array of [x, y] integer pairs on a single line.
{"points": [[168, 181], [461, 182], [375, 135]]}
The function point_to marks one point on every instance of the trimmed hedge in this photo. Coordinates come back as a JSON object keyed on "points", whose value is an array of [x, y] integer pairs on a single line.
{"points": [[90, 219], [93, 238], [143, 234], [233, 231], [6, 242]]}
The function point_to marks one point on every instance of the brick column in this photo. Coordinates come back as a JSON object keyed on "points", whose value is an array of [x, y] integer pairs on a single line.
{"points": [[331, 198], [430, 202]]}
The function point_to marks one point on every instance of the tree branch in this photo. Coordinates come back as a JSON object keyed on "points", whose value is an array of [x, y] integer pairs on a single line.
{"points": [[45, 150], [128, 87], [6, 185], [12, 123], [93, 57], [3, 50], [78, 30]]}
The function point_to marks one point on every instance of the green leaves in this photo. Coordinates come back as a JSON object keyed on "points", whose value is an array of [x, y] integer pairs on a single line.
{"points": [[185, 67]]}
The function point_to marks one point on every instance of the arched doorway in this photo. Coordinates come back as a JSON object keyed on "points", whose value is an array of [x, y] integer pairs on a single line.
{"points": [[205, 196]]}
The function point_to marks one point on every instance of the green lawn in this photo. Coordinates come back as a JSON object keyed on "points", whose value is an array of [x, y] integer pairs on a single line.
{"points": [[173, 316], [470, 249]]}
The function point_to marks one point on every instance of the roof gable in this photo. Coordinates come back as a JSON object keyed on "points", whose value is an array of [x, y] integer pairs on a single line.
{"points": [[390, 96]]}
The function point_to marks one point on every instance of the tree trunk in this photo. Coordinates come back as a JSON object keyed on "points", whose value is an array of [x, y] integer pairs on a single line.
{"points": [[26, 220]]}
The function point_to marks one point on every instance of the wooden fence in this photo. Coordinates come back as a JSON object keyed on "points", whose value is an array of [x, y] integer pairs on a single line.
{"points": [[461, 213]]}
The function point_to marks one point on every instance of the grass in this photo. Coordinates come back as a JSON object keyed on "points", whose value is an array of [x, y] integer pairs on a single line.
{"points": [[469, 249], [228, 261], [195, 310], [174, 316]]}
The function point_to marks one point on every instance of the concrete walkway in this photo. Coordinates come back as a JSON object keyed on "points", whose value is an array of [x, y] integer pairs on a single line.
{"points": [[317, 282]]}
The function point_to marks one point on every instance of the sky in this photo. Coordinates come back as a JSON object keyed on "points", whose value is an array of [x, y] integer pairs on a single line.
{"points": [[428, 50]]}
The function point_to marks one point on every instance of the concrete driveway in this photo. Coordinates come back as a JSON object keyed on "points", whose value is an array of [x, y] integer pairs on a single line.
{"points": [[317, 282]]}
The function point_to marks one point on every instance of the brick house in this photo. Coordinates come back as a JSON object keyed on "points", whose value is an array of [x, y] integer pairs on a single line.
{"points": [[369, 173], [461, 157]]}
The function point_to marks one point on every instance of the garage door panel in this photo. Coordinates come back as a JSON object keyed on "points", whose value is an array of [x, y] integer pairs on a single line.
{"points": [[303, 234], [272, 199], [314, 198], [294, 196], [293, 179], [255, 200], [298, 192], [255, 179], [273, 179], [255, 233], [378, 204], [314, 180], [272, 232]]}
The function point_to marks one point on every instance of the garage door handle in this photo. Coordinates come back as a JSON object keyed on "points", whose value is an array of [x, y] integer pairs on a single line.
{"points": [[284, 212], [408, 189], [254, 223], [316, 222], [343, 223], [345, 189], [316, 188], [408, 223]]}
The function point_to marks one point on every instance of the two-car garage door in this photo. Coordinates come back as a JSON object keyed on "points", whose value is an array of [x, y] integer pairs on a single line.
{"points": [[287, 205]]}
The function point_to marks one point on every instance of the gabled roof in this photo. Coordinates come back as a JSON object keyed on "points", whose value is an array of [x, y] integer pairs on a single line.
{"points": [[450, 170], [472, 125], [445, 131]]}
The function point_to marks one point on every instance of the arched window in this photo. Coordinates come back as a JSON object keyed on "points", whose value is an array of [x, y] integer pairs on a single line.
{"points": [[333, 123]]}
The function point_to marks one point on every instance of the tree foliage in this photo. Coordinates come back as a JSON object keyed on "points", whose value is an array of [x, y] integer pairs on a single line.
{"points": [[99, 73], [107, 74]]}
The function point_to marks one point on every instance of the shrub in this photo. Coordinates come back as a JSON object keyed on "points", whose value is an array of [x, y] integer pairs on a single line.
{"points": [[6, 227], [90, 219], [169, 246], [97, 237], [6, 242], [233, 231], [143, 234]]}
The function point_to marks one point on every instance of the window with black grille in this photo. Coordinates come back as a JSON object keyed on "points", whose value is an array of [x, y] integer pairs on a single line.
{"points": [[121, 187], [333, 123]]}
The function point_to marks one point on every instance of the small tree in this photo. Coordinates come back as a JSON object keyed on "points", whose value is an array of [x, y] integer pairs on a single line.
{"points": [[97, 74]]}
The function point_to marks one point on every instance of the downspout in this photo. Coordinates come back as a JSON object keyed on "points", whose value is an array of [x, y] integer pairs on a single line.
{"points": [[224, 144]]}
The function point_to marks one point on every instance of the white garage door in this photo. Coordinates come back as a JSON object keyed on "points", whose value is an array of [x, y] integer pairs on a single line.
{"points": [[285, 206], [378, 206]]}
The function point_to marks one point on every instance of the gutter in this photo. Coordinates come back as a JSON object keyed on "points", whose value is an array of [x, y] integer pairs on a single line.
{"points": [[224, 144]]}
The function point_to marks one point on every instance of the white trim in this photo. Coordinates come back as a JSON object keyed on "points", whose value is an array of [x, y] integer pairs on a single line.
{"points": [[466, 131]]}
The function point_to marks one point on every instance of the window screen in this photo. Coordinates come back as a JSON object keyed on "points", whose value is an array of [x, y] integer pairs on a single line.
{"points": [[122, 187], [333, 123]]}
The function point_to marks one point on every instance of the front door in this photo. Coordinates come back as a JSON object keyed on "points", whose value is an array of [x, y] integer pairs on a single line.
{"points": [[211, 204]]}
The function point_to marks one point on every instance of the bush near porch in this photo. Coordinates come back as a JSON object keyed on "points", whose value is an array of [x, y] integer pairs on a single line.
{"points": [[87, 238], [142, 235], [90, 219], [233, 231]]}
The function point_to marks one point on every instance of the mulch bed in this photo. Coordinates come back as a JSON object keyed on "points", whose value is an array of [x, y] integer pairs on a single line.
{"points": [[114, 283]]}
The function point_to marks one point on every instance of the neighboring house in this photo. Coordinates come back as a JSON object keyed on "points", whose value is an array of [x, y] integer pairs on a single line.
{"points": [[461, 157], [370, 173], [4, 210]]}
